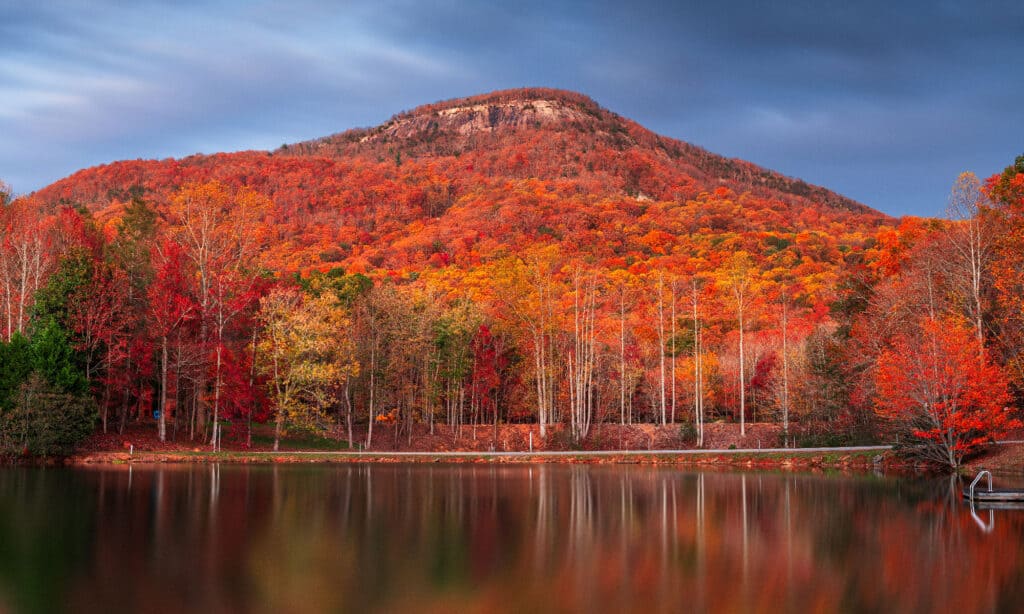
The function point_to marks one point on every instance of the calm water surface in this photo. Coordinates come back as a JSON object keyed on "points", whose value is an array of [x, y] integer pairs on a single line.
{"points": [[464, 538]]}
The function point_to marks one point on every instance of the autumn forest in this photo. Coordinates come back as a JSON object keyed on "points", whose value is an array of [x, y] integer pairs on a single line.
{"points": [[525, 257]]}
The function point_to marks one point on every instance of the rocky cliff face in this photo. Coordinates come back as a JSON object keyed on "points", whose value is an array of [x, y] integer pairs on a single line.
{"points": [[466, 120], [452, 126]]}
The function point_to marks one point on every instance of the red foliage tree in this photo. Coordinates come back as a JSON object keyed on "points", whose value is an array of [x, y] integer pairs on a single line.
{"points": [[932, 383], [171, 306], [486, 368]]}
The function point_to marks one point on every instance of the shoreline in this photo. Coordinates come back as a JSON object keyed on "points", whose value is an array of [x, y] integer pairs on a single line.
{"points": [[1005, 459], [860, 458]]}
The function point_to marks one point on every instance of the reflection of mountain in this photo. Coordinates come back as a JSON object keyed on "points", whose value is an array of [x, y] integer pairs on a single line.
{"points": [[501, 539]]}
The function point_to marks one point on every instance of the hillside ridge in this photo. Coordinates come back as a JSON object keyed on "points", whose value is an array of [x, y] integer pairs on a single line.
{"points": [[450, 127], [464, 181]]}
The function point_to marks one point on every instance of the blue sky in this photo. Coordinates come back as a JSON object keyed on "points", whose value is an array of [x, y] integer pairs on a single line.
{"points": [[885, 102]]}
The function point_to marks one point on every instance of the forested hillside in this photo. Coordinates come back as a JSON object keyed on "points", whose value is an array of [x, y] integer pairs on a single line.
{"points": [[523, 256]]}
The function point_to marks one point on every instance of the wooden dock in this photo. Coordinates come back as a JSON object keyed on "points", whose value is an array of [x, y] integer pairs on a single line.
{"points": [[998, 495], [991, 497], [1009, 498]]}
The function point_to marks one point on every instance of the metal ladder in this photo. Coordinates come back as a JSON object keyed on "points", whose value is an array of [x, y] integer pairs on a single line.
{"points": [[981, 473], [986, 527]]}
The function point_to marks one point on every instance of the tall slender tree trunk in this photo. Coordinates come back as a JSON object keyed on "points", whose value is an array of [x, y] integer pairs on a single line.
{"points": [[373, 386], [348, 413], [672, 370], [8, 301], [216, 392], [252, 386], [785, 372], [193, 410], [977, 265], [24, 288], [462, 409], [698, 374], [661, 343], [542, 384], [278, 429], [622, 357], [743, 382], [201, 379], [279, 419], [179, 395], [162, 428], [106, 405], [581, 359], [127, 390], [125, 409], [494, 406]]}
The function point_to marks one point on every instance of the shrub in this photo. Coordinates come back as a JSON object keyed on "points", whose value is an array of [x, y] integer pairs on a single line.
{"points": [[44, 421], [688, 433]]}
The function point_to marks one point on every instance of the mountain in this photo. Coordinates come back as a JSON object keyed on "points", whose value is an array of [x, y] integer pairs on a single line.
{"points": [[468, 180], [491, 121]]}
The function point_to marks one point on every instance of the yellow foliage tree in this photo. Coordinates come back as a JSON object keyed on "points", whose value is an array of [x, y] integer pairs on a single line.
{"points": [[306, 352]]}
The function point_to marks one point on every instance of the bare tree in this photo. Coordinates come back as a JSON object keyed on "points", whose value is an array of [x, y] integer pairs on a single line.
{"points": [[698, 368], [583, 356], [623, 291], [26, 255], [661, 344], [672, 367], [971, 235], [785, 366], [738, 278]]}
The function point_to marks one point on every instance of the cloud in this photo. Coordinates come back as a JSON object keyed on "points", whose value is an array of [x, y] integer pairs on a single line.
{"points": [[849, 95]]}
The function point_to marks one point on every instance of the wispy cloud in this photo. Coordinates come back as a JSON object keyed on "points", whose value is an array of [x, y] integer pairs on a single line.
{"points": [[858, 96]]}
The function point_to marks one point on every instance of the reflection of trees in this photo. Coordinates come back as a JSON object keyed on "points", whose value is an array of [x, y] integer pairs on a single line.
{"points": [[503, 538], [45, 521]]}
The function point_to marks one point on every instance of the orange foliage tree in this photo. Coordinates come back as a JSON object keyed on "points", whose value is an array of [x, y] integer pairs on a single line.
{"points": [[1006, 191], [932, 384]]}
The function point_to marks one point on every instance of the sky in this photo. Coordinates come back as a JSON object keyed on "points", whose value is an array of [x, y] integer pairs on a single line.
{"points": [[885, 102]]}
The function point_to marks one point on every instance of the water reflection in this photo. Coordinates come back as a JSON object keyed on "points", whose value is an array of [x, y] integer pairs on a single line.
{"points": [[469, 538]]}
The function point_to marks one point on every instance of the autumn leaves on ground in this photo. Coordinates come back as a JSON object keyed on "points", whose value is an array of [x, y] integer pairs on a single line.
{"points": [[523, 259]]}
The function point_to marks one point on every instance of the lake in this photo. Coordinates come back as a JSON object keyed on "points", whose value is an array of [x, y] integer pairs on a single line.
{"points": [[486, 538]]}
